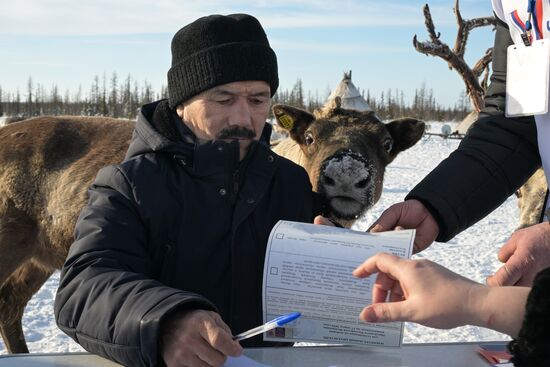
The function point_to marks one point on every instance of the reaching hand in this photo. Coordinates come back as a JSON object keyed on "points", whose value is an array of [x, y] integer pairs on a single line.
{"points": [[197, 338], [409, 214], [324, 221], [427, 293], [420, 291], [525, 254]]}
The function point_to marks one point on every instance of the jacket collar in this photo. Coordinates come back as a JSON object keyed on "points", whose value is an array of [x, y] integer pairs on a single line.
{"points": [[159, 129]]}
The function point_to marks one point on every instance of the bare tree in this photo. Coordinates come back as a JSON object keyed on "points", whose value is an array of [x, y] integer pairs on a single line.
{"points": [[297, 94], [455, 57], [103, 108], [114, 97], [93, 108], [55, 101], [29, 97]]}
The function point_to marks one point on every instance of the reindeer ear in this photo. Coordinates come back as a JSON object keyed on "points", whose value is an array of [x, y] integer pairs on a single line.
{"points": [[293, 119], [405, 133]]}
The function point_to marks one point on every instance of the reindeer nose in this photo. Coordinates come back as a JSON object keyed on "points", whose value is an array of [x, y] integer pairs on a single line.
{"points": [[345, 173], [345, 181], [328, 180], [361, 184]]}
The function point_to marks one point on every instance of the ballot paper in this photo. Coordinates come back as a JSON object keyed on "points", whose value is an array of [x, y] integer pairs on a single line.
{"points": [[308, 270]]}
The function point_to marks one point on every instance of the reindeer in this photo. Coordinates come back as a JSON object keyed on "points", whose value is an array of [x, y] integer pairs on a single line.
{"points": [[345, 153], [48, 163], [46, 166], [531, 199]]}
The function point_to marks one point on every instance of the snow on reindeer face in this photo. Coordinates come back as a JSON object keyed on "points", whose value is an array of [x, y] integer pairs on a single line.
{"points": [[345, 153], [347, 180], [348, 157]]}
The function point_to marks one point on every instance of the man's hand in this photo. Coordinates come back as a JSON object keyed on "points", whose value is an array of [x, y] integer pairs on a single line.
{"points": [[199, 338], [324, 221], [419, 291], [409, 214], [525, 254]]}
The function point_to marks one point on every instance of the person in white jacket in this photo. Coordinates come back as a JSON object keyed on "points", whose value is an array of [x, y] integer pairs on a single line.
{"points": [[497, 155], [495, 158]]}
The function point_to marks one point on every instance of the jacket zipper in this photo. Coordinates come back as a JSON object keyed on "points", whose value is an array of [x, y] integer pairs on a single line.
{"points": [[236, 182]]}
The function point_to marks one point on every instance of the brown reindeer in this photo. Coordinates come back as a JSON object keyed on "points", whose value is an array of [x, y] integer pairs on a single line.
{"points": [[47, 164]]}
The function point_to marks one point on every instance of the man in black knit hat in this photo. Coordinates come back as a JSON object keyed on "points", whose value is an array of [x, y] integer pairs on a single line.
{"points": [[168, 254]]}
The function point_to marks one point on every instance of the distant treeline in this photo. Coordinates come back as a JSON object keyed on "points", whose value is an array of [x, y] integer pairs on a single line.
{"points": [[105, 97], [388, 105], [122, 98]]}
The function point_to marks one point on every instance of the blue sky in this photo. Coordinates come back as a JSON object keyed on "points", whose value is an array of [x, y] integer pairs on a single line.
{"points": [[68, 42]]}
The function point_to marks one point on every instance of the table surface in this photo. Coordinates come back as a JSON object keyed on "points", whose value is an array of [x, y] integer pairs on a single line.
{"points": [[410, 355]]}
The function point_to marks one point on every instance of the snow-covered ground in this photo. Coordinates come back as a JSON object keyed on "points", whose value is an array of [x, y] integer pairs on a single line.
{"points": [[472, 253]]}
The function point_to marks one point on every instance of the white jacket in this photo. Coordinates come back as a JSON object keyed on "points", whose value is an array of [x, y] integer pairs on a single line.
{"points": [[514, 14]]}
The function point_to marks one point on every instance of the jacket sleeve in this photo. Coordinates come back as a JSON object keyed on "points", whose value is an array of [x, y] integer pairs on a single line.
{"points": [[496, 92], [107, 300], [495, 158]]}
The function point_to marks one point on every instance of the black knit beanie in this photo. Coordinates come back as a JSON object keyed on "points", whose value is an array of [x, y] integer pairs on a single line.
{"points": [[217, 50]]}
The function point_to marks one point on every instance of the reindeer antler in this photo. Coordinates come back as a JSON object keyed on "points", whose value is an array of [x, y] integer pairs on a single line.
{"points": [[464, 28], [455, 57], [483, 65]]}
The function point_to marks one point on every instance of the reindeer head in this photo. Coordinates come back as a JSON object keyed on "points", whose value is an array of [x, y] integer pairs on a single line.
{"points": [[345, 153]]}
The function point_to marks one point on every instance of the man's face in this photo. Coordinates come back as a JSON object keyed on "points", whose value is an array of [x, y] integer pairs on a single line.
{"points": [[233, 111]]}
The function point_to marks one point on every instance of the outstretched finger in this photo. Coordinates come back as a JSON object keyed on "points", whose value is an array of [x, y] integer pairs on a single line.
{"points": [[380, 263]]}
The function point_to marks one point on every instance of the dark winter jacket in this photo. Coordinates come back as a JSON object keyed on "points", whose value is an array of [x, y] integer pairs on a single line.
{"points": [[532, 346], [175, 225], [495, 158]]}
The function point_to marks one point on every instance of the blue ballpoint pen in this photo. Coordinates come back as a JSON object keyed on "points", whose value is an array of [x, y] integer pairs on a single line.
{"points": [[279, 321]]}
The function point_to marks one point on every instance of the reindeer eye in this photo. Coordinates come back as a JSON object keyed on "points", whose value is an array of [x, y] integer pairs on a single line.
{"points": [[388, 145], [309, 138]]}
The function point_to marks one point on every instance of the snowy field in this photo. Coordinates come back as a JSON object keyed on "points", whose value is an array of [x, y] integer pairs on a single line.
{"points": [[472, 253]]}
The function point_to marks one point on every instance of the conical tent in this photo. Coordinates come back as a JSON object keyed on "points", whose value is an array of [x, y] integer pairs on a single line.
{"points": [[349, 95]]}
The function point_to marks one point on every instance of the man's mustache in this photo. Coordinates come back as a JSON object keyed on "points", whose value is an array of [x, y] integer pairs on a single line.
{"points": [[235, 132]]}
